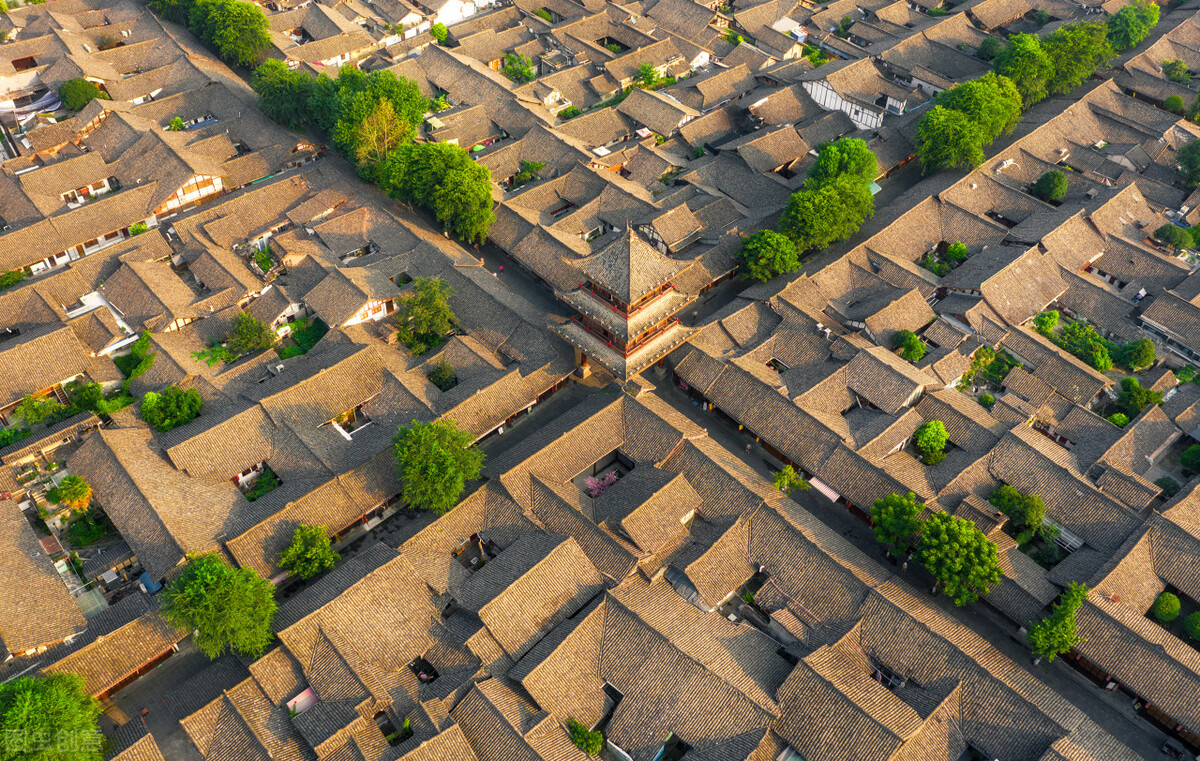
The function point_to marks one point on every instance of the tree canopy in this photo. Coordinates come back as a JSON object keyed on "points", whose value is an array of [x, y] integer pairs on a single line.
{"points": [[848, 158], [1166, 607], [1137, 355], [1051, 186], [1055, 634], [992, 102], [309, 553], [74, 492], [249, 334], [171, 408], [1027, 511], [435, 461], [425, 316], [49, 718], [947, 139], [442, 177], [1189, 162], [788, 480], [959, 557], [237, 31], [1027, 64], [227, 607], [1134, 397], [911, 347], [931, 439], [767, 254], [896, 520], [1173, 235], [282, 93], [1075, 51], [989, 49], [1132, 24], [78, 92], [518, 68]]}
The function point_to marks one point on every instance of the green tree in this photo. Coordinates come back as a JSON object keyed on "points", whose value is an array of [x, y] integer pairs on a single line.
{"points": [[377, 136], [1045, 322], [435, 461], [1051, 186], [957, 252], [439, 32], [947, 139], [992, 102], [767, 254], [959, 557], [987, 400], [74, 492], [822, 214], [282, 93], [1165, 608], [912, 348], [442, 375], [32, 410], [137, 228], [1055, 634], [1119, 419], [931, 439], [518, 68], [49, 718], [896, 520], [788, 480], [590, 741], [77, 93], [226, 607], [425, 317], [1130, 25], [848, 158], [1027, 511], [247, 334], [176, 124], [444, 178], [171, 408], [1176, 70], [1189, 162], [1133, 398], [989, 49], [1138, 355], [309, 553], [355, 98], [1173, 235], [647, 75], [1174, 104], [1190, 459], [1076, 51], [1027, 65]]}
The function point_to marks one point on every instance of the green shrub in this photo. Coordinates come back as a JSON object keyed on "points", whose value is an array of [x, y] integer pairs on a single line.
{"points": [[1174, 104], [589, 741], [989, 48], [439, 32], [11, 278], [987, 400], [1191, 625], [911, 347], [570, 112], [957, 252], [171, 408], [1190, 459], [1165, 608], [1119, 419], [1051, 186], [77, 93], [1185, 374], [1169, 486], [931, 439], [137, 228], [442, 376]]}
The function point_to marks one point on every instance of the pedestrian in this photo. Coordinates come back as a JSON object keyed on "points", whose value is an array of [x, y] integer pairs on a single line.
{"points": [[501, 267]]}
